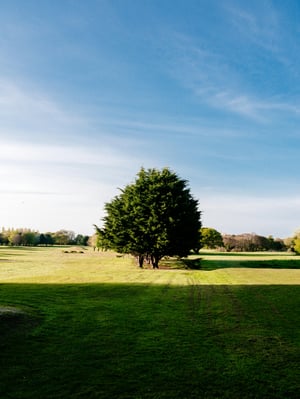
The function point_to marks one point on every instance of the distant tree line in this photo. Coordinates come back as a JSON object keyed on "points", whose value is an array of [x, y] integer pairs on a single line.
{"points": [[28, 237], [252, 242], [247, 242], [210, 239]]}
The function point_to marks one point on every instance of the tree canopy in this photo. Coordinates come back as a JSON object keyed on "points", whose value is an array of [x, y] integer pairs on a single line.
{"points": [[211, 238], [153, 217]]}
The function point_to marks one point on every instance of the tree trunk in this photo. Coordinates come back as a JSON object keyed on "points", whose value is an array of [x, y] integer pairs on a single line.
{"points": [[141, 260], [154, 261]]}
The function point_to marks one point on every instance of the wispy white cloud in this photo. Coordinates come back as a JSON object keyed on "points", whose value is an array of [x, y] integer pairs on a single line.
{"points": [[256, 108], [25, 109], [259, 25], [58, 154], [37, 127], [267, 27], [214, 78]]}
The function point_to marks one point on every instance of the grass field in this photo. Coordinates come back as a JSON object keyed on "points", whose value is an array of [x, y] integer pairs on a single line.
{"points": [[93, 325]]}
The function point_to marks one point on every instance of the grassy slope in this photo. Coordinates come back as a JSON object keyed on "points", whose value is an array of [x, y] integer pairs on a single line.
{"points": [[102, 328]]}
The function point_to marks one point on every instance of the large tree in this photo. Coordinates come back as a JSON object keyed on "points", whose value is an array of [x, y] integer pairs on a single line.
{"points": [[153, 217]]}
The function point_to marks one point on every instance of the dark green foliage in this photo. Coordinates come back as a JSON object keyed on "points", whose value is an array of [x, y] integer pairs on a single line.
{"points": [[81, 240], [46, 239], [153, 217], [4, 239]]}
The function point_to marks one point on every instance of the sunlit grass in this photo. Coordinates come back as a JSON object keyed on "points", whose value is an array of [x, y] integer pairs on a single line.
{"points": [[54, 265]]}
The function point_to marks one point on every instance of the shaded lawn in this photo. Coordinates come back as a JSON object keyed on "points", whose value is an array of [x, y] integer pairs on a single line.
{"points": [[256, 254], [150, 341], [209, 264]]}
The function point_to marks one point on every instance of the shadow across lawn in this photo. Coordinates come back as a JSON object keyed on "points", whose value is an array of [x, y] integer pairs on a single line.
{"points": [[150, 341], [244, 254], [214, 264], [17, 251]]}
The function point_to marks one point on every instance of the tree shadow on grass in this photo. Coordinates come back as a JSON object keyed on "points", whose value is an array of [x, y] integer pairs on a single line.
{"points": [[10, 254], [16, 251], [151, 341], [214, 264], [243, 254]]}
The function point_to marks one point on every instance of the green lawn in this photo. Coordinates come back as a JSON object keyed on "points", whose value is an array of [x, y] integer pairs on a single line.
{"points": [[95, 326]]}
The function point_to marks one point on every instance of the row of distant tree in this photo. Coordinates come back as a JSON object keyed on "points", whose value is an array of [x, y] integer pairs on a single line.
{"points": [[210, 239], [28, 237], [213, 239]]}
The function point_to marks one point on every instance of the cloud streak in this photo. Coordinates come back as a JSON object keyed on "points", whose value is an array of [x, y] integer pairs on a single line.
{"points": [[216, 81], [260, 26], [58, 154]]}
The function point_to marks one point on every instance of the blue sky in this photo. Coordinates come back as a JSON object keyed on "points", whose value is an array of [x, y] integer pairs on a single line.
{"points": [[90, 91]]}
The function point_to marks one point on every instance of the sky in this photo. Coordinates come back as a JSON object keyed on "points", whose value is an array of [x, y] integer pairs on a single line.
{"points": [[91, 91]]}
